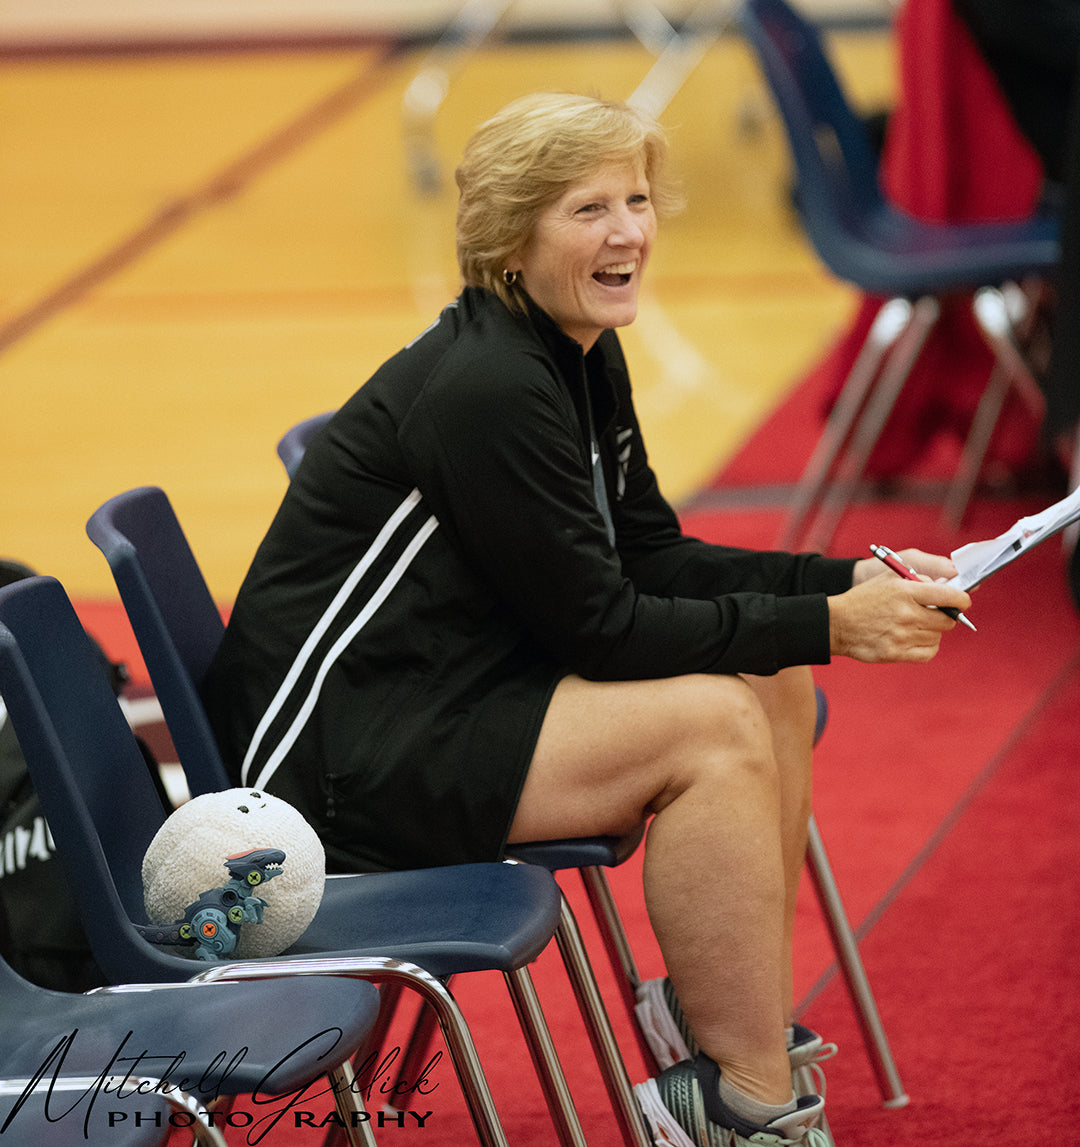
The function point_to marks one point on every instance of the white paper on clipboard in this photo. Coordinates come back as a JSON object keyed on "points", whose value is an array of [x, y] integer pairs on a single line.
{"points": [[978, 560]]}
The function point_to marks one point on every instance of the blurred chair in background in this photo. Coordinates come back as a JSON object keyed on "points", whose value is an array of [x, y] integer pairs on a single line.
{"points": [[909, 267]]}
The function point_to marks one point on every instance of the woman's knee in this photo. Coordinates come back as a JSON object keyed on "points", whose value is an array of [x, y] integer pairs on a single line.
{"points": [[720, 729], [789, 699], [789, 694], [632, 748], [722, 709]]}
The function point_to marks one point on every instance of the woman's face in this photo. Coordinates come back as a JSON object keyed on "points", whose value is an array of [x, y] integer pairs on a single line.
{"points": [[584, 261]]}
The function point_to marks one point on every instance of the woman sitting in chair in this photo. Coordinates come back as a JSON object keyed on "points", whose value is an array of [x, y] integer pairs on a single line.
{"points": [[475, 620]]}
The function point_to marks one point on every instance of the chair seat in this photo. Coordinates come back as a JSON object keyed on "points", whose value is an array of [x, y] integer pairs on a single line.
{"points": [[578, 852], [41, 1121], [887, 252], [165, 1021], [464, 918]]}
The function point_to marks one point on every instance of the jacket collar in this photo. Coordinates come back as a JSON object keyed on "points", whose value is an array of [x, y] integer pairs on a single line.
{"points": [[595, 373], [591, 371]]}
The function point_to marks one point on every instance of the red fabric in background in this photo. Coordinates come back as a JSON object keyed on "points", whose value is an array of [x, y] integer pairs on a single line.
{"points": [[952, 154]]}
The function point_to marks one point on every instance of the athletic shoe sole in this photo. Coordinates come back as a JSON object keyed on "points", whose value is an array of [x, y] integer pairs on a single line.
{"points": [[667, 1131]]}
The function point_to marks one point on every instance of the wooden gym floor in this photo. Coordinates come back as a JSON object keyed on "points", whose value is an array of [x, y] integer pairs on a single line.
{"points": [[198, 250]]}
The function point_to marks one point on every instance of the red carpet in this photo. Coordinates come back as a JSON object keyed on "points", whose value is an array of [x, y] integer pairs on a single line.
{"points": [[975, 961]]}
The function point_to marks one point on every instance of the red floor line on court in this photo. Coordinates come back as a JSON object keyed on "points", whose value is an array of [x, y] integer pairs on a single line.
{"points": [[227, 183], [949, 821]]}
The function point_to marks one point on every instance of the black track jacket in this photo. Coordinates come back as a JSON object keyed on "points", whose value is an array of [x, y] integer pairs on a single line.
{"points": [[439, 562]]}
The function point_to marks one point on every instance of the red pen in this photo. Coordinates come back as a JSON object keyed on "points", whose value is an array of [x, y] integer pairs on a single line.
{"points": [[897, 565]]}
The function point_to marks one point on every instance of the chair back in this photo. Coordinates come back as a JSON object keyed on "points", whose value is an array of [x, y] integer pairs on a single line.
{"points": [[174, 618], [97, 795], [835, 168], [295, 440]]}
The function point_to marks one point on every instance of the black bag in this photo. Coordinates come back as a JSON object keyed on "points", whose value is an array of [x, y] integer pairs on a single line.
{"points": [[41, 935]]}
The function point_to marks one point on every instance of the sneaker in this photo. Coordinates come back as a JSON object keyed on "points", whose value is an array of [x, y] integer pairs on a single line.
{"points": [[683, 1108], [663, 1024], [806, 1050], [670, 1039]]}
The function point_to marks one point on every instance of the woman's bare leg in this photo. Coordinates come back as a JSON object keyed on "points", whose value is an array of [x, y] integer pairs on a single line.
{"points": [[697, 752], [790, 705]]}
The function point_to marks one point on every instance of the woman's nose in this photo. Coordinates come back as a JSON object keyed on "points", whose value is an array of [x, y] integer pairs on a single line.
{"points": [[628, 229]]}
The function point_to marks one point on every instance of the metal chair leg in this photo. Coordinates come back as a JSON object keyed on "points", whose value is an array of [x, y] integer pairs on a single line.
{"points": [[469, 30], [678, 52], [416, 1050], [879, 405], [1005, 316], [612, 933], [349, 1103], [888, 324], [612, 1068], [583, 982], [968, 469], [617, 946], [545, 1060], [851, 965]]}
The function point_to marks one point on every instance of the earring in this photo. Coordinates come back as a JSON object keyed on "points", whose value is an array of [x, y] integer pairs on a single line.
{"points": [[510, 277]]}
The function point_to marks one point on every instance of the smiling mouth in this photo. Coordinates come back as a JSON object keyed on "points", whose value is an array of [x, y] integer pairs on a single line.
{"points": [[617, 275]]}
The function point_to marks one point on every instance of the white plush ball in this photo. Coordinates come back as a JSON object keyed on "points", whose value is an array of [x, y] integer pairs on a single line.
{"points": [[187, 857]]}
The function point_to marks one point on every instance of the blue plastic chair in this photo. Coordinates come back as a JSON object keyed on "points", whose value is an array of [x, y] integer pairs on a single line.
{"points": [[266, 1021], [178, 628], [39, 1119], [864, 240], [294, 441], [412, 929], [175, 620], [590, 856], [38, 1126]]}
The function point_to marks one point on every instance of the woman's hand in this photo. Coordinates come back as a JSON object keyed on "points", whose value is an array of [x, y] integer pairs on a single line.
{"points": [[932, 566], [891, 618]]}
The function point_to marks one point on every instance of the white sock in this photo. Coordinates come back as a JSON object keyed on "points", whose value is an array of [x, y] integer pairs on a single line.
{"points": [[751, 1109]]}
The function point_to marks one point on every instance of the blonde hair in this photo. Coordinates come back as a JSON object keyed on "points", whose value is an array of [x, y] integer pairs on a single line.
{"points": [[525, 157]]}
